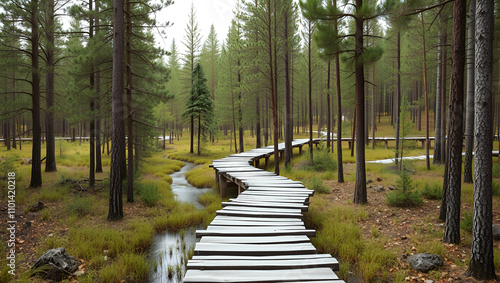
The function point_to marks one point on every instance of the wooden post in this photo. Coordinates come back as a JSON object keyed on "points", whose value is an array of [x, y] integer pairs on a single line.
{"points": [[222, 186]]}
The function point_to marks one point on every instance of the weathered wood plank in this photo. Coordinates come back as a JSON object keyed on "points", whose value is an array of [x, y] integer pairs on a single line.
{"points": [[256, 214], [255, 240], [255, 204], [259, 276], [253, 249], [261, 209], [253, 223], [269, 257], [263, 264], [257, 219], [255, 233]]}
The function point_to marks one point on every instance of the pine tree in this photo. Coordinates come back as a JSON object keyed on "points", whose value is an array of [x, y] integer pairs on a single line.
{"points": [[199, 104]]}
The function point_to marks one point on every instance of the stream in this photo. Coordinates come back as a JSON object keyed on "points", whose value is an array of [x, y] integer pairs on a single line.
{"points": [[169, 249]]}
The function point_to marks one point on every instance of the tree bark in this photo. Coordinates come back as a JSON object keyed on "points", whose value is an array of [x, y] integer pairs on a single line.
{"points": [[130, 132], [50, 162], [36, 166], [360, 196], [427, 157], [469, 117], [455, 136], [288, 100], [309, 75], [118, 131], [328, 110], [92, 107], [340, 165], [98, 157], [398, 98], [481, 264]]}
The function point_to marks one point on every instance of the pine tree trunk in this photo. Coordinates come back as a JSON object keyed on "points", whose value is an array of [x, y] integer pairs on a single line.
{"points": [[469, 117], [309, 75], [118, 131], [427, 143], [398, 98], [98, 157], [481, 265], [340, 165], [328, 111], [92, 108], [455, 136], [444, 142], [36, 166], [288, 100], [360, 196]]}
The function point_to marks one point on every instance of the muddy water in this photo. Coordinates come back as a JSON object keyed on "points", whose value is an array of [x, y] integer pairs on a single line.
{"points": [[170, 250]]}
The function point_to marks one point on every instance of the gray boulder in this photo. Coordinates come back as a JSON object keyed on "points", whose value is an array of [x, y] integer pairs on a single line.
{"points": [[379, 188], [425, 262], [496, 232], [37, 206], [55, 264]]}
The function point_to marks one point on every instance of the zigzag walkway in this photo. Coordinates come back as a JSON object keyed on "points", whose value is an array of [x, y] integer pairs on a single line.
{"points": [[259, 236]]}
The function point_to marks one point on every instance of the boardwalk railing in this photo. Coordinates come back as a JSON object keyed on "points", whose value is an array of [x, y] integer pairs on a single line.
{"points": [[259, 236]]}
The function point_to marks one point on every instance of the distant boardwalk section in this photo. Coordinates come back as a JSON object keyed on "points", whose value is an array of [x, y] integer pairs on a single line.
{"points": [[259, 236]]}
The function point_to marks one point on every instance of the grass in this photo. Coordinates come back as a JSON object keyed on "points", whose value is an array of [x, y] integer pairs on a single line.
{"points": [[201, 177], [435, 192]]}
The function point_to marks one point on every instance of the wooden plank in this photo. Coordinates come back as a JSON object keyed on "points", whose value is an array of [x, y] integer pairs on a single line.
{"points": [[255, 229], [257, 214], [261, 209], [274, 193], [274, 184], [263, 264], [271, 198], [280, 189], [255, 204], [257, 219], [269, 257], [253, 249], [255, 233], [253, 223], [259, 276], [255, 240]]}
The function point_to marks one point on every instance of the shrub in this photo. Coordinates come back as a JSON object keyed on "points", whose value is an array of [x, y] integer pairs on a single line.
{"points": [[7, 165], [318, 186], [496, 188], [80, 206], [435, 192], [323, 161], [466, 224], [148, 192], [404, 195]]}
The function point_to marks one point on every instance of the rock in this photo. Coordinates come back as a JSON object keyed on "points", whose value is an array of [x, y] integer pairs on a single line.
{"points": [[391, 188], [36, 207], [379, 188], [429, 281], [27, 224], [369, 181], [55, 264], [425, 262], [78, 273], [379, 179], [496, 232]]}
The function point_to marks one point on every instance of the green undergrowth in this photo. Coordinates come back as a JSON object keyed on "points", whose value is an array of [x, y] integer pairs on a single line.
{"points": [[206, 156], [339, 234], [201, 177]]}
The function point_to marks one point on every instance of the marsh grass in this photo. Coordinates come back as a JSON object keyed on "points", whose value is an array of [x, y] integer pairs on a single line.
{"points": [[201, 177]]}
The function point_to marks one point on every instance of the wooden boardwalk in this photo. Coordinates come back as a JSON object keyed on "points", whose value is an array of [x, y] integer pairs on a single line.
{"points": [[259, 236]]}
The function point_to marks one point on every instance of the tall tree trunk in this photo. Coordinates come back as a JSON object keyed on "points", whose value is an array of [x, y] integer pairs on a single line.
{"points": [[98, 157], [288, 100], [455, 136], [240, 114], [437, 159], [469, 117], [36, 166], [257, 126], [328, 113], [398, 98], [199, 132], [118, 131], [373, 107], [444, 62], [340, 165], [274, 96], [92, 107], [360, 196], [130, 132], [427, 158], [50, 162], [481, 265], [309, 74]]}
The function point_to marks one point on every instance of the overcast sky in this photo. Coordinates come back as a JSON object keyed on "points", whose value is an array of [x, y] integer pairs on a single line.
{"points": [[208, 12]]}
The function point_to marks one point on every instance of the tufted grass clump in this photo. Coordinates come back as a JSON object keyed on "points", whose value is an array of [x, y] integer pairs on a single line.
{"points": [[148, 191], [375, 261], [466, 223], [405, 194], [80, 206], [435, 192], [318, 186], [201, 177]]}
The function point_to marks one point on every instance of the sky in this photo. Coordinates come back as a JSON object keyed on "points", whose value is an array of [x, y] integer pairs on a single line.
{"points": [[208, 12]]}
